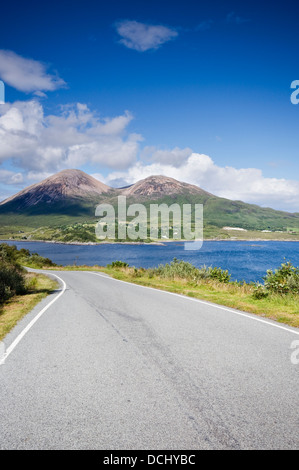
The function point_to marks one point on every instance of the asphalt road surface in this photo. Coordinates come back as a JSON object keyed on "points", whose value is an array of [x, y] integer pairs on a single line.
{"points": [[103, 364]]}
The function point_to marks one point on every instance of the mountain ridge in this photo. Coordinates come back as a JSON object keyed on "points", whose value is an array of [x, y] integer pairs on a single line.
{"points": [[74, 183]]}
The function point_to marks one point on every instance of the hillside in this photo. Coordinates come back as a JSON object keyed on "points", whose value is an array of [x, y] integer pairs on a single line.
{"points": [[157, 187], [56, 193], [62, 207]]}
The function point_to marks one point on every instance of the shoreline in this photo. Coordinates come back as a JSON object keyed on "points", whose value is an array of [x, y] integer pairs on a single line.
{"points": [[155, 243]]}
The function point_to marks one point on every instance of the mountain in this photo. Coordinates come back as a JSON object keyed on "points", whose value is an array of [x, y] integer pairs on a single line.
{"points": [[58, 192], [157, 186], [57, 206], [71, 190]]}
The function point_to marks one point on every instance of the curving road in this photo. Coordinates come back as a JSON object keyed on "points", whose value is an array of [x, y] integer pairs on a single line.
{"points": [[104, 364]]}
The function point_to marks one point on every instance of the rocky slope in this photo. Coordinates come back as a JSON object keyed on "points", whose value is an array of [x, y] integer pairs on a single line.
{"points": [[75, 185], [59, 188], [157, 186]]}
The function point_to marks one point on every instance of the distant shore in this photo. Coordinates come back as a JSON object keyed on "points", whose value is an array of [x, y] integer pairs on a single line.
{"points": [[83, 243], [156, 243]]}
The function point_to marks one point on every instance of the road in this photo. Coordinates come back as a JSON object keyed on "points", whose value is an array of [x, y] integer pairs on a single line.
{"points": [[112, 365]]}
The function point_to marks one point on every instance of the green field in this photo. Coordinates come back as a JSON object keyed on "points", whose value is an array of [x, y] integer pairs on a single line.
{"points": [[75, 221]]}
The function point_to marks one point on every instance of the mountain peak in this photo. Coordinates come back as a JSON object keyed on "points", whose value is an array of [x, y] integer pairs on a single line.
{"points": [[73, 188], [158, 185], [67, 184]]}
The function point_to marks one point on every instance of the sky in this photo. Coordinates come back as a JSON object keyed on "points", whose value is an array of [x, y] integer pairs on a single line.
{"points": [[204, 92]]}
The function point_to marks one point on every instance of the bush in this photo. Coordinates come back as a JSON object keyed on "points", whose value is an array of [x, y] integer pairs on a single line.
{"points": [[12, 274], [12, 281], [219, 274], [31, 283], [283, 280], [118, 264], [259, 292], [150, 273], [36, 261], [184, 270], [177, 269], [10, 254]]}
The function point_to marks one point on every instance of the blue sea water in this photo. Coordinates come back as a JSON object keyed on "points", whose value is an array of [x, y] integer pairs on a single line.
{"points": [[245, 260]]}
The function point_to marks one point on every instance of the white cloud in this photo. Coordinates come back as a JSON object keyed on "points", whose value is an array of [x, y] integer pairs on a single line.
{"points": [[38, 145], [27, 75], [175, 157], [74, 137], [10, 177], [37, 176], [142, 37]]}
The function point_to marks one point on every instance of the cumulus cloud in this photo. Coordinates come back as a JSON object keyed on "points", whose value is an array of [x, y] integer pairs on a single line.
{"points": [[142, 37], [38, 145], [175, 157], [74, 137], [10, 177], [27, 75], [245, 184]]}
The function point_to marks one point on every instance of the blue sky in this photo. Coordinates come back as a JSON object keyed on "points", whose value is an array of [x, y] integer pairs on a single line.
{"points": [[198, 91]]}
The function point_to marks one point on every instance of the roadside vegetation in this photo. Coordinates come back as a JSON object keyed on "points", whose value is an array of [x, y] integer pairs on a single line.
{"points": [[20, 290], [277, 298]]}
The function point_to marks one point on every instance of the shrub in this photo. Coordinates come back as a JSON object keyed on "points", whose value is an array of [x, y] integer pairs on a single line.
{"points": [[37, 261], [259, 292], [283, 280], [31, 283], [12, 281], [150, 273], [184, 270], [177, 269], [118, 264], [219, 274], [10, 254], [12, 274]]}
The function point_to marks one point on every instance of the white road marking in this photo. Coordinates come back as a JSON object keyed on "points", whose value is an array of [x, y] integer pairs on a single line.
{"points": [[210, 304], [34, 320]]}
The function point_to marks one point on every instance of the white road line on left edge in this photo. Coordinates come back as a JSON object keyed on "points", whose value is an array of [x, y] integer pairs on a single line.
{"points": [[13, 345]]}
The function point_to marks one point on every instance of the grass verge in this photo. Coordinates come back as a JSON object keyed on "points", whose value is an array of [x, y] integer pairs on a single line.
{"points": [[39, 286]]}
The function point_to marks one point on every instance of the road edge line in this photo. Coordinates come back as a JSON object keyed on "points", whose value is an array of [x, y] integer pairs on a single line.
{"points": [[21, 335], [210, 304]]}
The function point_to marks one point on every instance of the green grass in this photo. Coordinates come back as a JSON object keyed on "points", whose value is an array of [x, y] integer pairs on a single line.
{"points": [[39, 286]]}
